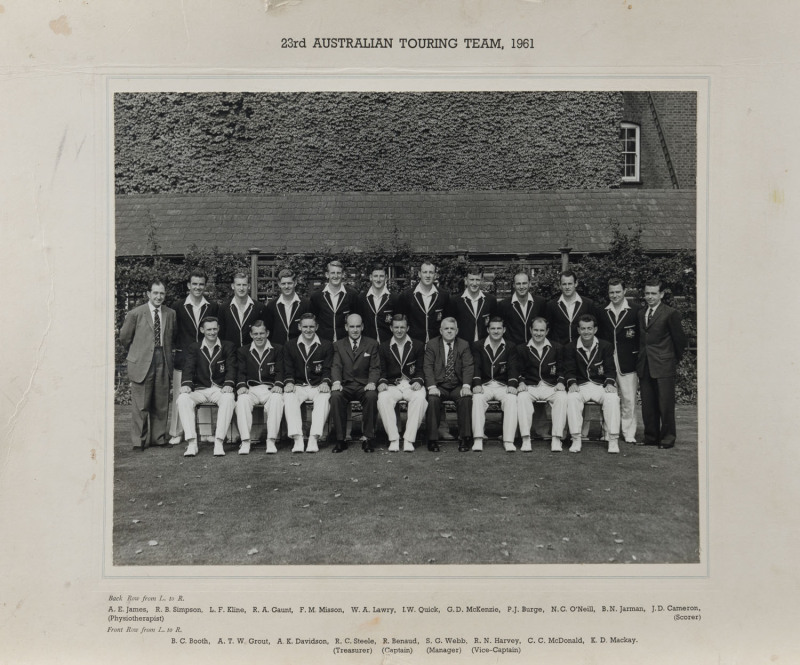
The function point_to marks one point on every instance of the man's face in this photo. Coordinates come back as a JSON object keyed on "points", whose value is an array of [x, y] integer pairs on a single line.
{"points": [[616, 294], [399, 329], [354, 326], [211, 331], [259, 336], [334, 275], [521, 285], [240, 287], [427, 273], [496, 331], [449, 330], [587, 329], [287, 285], [653, 295], [308, 329], [156, 295], [568, 286], [197, 286], [539, 331], [474, 283], [378, 279]]}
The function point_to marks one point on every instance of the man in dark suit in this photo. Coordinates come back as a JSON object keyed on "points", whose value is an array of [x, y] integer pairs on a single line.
{"points": [[238, 314], [661, 346], [209, 375], [378, 306], [619, 324], [259, 382], [564, 312], [473, 309], [355, 374], [591, 377], [333, 304], [284, 312], [148, 334], [188, 312], [425, 305], [449, 370], [520, 310]]}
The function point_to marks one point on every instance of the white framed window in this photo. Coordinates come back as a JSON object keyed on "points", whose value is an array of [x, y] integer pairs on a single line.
{"points": [[629, 134]]}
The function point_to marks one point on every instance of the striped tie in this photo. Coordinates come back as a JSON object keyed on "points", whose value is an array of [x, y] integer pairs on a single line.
{"points": [[157, 327], [450, 366]]}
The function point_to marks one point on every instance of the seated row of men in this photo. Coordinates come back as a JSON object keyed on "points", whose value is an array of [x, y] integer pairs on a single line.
{"points": [[280, 378]]}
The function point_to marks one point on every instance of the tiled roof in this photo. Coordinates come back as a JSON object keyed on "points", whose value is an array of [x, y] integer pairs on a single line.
{"points": [[486, 222]]}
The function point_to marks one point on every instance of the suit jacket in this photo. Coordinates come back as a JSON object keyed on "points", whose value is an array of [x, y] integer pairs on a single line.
{"points": [[285, 326], [394, 368], [662, 343], [359, 369], [236, 331], [331, 324], [137, 335], [518, 323], [623, 334], [488, 368], [201, 372], [434, 365], [313, 370], [468, 323], [423, 325], [562, 329], [598, 367], [266, 371], [377, 317], [532, 368]]}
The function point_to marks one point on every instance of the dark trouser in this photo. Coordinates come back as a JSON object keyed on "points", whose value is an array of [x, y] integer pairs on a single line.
{"points": [[150, 403], [658, 407], [369, 409], [463, 411]]}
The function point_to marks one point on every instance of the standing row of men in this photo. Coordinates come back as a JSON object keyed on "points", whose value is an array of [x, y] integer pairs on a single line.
{"points": [[647, 342]]}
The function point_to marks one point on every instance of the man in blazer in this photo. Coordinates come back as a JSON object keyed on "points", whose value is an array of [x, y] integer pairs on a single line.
{"points": [[307, 376], [378, 305], [188, 312], [401, 361], [355, 374], [259, 382], [591, 377], [473, 309], [209, 375], [619, 324], [661, 346], [148, 334], [520, 310], [284, 312], [333, 304], [564, 312], [425, 305], [238, 314], [539, 365], [449, 370]]}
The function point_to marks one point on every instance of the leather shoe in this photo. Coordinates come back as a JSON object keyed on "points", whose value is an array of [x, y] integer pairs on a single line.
{"points": [[464, 445], [665, 446], [433, 446], [340, 447], [367, 446]]}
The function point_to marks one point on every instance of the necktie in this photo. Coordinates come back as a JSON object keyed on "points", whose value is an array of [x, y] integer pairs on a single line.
{"points": [[649, 315], [450, 365], [157, 327], [355, 346]]}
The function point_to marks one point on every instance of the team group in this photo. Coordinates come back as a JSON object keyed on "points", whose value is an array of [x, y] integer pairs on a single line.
{"points": [[423, 346]]}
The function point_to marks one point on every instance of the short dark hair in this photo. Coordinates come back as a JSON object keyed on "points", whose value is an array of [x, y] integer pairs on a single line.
{"points": [[258, 324], [474, 269], [497, 319], [616, 281], [209, 319], [286, 273], [568, 273], [156, 281], [588, 318], [400, 317], [655, 281], [308, 315], [377, 266]]}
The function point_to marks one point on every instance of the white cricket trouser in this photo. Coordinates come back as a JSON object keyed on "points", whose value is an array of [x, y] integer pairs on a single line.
{"points": [[480, 403], [273, 410], [558, 405], [187, 403], [417, 404], [175, 427], [319, 414], [591, 392], [627, 385]]}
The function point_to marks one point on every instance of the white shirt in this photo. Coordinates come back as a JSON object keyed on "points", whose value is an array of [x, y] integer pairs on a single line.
{"points": [[260, 354], [196, 309], [426, 298], [242, 310], [160, 318], [570, 305]]}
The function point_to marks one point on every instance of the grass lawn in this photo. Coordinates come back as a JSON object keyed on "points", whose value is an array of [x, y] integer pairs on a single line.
{"points": [[640, 506]]}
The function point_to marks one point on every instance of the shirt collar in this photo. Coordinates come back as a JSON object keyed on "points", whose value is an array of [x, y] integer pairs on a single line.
{"points": [[654, 307], [302, 340], [625, 305], [295, 298], [249, 302], [580, 345], [332, 292], [152, 307], [488, 341], [544, 346], [468, 296], [433, 290], [211, 348], [377, 294], [395, 343], [578, 300], [267, 347], [514, 298], [188, 301]]}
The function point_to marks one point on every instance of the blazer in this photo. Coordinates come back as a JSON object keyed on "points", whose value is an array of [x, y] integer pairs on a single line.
{"points": [[532, 369], [356, 370], [423, 325], [188, 329], [285, 326], [488, 368], [313, 370], [598, 367], [138, 337], [377, 317], [236, 331], [623, 335], [468, 323], [201, 372], [394, 368], [562, 329], [268, 371], [331, 324], [662, 343], [433, 367], [518, 323]]}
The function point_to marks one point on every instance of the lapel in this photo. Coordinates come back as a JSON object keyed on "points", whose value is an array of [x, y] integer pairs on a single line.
{"points": [[518, 309]]}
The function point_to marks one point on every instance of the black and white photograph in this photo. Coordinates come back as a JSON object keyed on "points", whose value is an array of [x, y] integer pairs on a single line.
{"points": [[405, 328]]}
